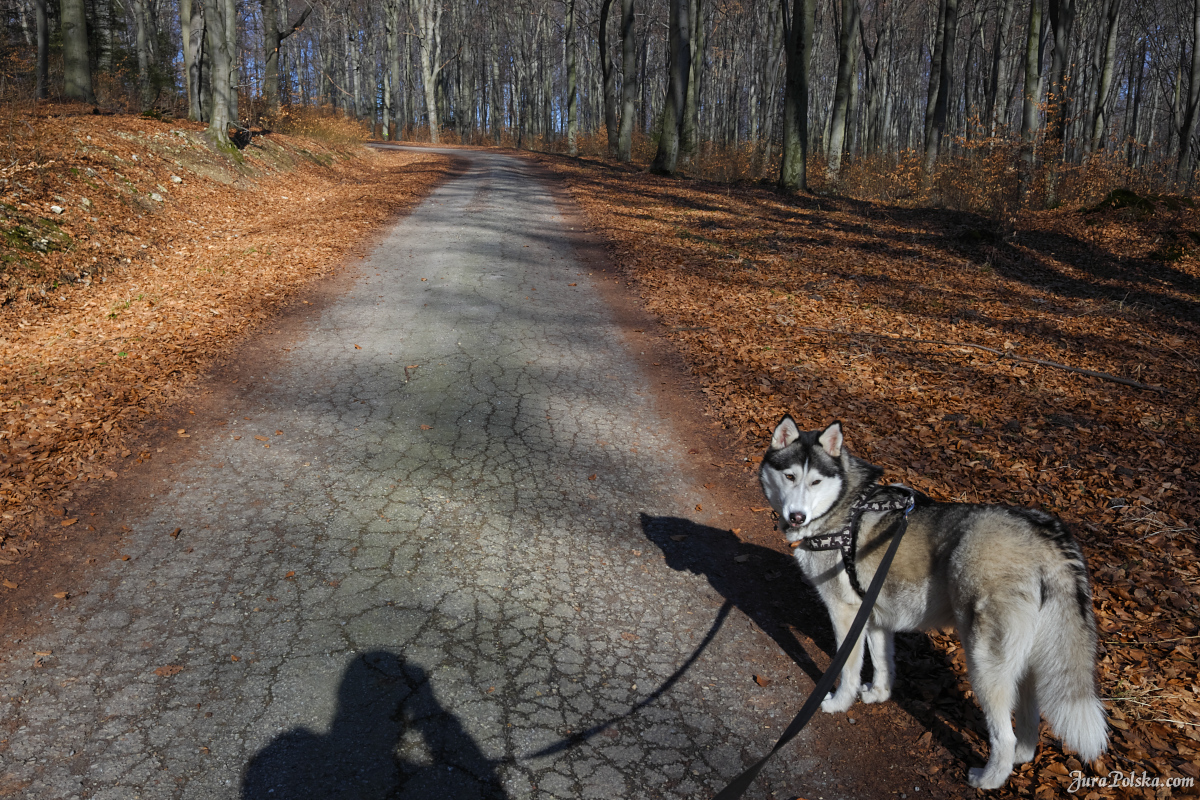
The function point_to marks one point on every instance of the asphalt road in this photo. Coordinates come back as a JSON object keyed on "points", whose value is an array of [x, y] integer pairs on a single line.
{"points": [[436, 549]]}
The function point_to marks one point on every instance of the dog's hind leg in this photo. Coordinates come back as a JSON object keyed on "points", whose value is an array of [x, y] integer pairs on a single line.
{"points": [[842, 616], [883, 658], [1028, 719], [998, 641]]}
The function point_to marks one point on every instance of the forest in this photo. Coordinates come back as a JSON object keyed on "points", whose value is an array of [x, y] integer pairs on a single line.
{"points": [[1040, 101]]}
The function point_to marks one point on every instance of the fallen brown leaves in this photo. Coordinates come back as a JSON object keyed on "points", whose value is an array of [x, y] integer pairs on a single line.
{"points": [[160, 256], [741, 278]]}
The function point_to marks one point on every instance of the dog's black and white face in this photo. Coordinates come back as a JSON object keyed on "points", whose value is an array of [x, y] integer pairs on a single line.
{"points": [[802, 475]]}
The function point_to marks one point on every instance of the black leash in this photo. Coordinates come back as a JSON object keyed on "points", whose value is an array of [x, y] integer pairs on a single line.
{"points": [[738, 786]]}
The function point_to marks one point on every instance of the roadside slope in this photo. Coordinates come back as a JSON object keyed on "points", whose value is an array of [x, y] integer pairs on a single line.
{"points": [[133, 255]]}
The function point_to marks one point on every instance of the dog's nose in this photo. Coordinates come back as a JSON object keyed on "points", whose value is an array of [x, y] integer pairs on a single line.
{"points": [[796, 518]]}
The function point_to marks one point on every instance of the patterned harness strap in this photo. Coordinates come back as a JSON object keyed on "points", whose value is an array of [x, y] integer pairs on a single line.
{"points": [[846, 539]]}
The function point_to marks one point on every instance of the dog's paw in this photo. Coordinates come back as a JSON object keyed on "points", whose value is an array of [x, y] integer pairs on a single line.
{"points": [[982, 778], [1024, 753], [837, 702], [873, 693]]}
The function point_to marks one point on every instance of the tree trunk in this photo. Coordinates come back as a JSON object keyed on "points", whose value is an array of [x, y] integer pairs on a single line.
{"points": [[392, 78], [609, 75], [200, 75], [1062, 18], [100, 23], [628, 83], [273, 37], [1029, 105], [774, 57], [997, 112], [1112, 18], [793, 170], [937, 129], [142, 41], [222, 70], [23, 18], [42, 90], [871, 84], [667, 157], [1191, 119], [847, 61], [230, 10], [353, 57], [77, 69], [429, 23], [572, 89], [189, 57], [463, 114], [689, 131], [495, 114], [935, 61]]}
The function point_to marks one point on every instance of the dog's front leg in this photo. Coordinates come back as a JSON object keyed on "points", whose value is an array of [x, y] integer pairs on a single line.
{"points": [[842, 616], [883, 659]]}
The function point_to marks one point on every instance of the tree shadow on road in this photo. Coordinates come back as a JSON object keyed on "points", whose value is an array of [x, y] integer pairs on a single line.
{"points": [[766, 586], [384, 705]]}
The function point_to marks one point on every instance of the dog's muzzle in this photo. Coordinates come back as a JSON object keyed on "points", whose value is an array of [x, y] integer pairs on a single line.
{"points": [[793, 523]]}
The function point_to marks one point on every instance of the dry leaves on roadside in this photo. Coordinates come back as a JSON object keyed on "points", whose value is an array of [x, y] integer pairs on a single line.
{"points": [[769, 298], [115, 312]]}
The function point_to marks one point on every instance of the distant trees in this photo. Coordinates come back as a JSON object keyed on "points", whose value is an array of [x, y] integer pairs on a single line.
{"points": [[769, 84], [274, 32]]}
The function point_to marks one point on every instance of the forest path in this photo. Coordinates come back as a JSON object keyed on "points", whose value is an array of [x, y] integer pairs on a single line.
{"points": [[446, 543]]}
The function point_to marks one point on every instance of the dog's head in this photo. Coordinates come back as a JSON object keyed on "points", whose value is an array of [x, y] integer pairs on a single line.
{"points": [[802, 474]]}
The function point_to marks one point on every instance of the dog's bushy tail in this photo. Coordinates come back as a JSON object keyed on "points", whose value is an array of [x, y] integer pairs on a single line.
{"points": [[1065, 654]]}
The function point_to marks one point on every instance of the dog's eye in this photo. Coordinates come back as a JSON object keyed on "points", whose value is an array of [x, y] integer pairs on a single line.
{"points": [[814, 481], [791, 478]]}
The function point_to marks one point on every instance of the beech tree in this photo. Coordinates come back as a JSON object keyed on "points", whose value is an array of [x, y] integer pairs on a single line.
{"points": [[273, 36], [628, 82], [77, 68], [847, 65], [667, 156], [216, 41], [762, 85], [1191, 114], [42, 88], [793, 171]]}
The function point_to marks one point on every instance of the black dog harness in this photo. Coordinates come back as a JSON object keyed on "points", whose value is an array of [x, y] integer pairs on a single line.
{"points": [[875, 498]]}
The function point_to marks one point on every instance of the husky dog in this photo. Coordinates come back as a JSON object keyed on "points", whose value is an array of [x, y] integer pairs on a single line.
{"points": [[1013, 582]]}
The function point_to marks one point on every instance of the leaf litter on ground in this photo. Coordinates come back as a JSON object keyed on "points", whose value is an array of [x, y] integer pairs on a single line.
{"points": [[823, 307], [164, 256]]}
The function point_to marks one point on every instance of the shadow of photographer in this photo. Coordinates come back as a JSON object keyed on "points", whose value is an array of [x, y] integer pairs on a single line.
{"points": [[383, 704]]}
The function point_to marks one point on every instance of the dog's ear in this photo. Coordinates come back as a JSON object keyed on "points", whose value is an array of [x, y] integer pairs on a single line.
{"points": [[831, 439], [785, 433]]}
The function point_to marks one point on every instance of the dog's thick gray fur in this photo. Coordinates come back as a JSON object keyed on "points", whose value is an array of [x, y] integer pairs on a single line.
{"points": [[1013, 581]]}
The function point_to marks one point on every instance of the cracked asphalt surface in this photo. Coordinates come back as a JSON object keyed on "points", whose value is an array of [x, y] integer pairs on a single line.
{"points": [[438, 549]]}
